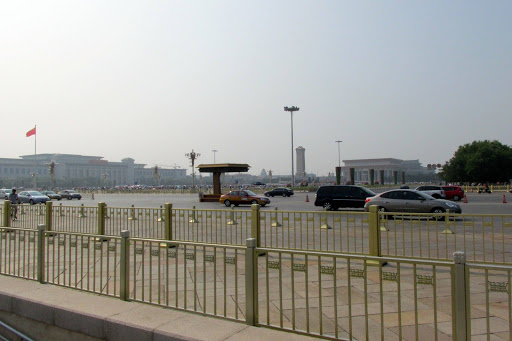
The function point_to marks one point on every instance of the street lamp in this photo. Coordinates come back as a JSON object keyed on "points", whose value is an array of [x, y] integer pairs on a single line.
{"points": [[291, 110], [214, 151], [339, 154], [192, 156]]}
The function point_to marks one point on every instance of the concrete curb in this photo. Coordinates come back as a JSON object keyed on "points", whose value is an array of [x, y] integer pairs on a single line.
{"points": [[107, 318]]}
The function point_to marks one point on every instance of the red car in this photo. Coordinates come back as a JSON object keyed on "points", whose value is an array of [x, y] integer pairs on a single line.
{"points": [[453, 192]]}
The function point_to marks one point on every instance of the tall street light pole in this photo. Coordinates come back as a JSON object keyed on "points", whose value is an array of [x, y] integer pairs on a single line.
{"points": [[291, 110], [192, 156], [214, 151], [339, 154]]}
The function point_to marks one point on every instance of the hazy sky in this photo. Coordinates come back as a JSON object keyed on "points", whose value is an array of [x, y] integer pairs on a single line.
{"points": [[153, 80]]}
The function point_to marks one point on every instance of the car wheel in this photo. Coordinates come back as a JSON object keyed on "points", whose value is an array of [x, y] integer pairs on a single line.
{"points": [[284, 195], [272, 195], [263, 205], [328, 206], [59, 199], [438, 213], [254, 202], [69, 198], [227, 203], [31, 202], [456, 198]]}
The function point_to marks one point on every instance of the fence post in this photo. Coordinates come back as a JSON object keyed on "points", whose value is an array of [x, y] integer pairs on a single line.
{"points": [[40, 253], [124, 265], [6, 219], [101, 218], [459, 286], [251, 282], [255, 224], [374, 235], [168, 221], [48, 218]]}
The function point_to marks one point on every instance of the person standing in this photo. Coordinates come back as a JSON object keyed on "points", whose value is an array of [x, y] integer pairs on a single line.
{"points": [[13, 198]]}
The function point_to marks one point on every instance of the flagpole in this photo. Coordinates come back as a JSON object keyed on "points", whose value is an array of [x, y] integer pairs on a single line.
{"points": [[35, 157]]}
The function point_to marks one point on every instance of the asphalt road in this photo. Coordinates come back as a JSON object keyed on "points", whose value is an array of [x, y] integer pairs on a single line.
{"points": [[477, 203]]}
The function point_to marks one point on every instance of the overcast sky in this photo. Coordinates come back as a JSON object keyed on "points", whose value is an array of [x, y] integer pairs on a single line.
{"points": [[153, 80]]}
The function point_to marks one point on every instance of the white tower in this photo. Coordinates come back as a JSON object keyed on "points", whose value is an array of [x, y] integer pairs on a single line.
{"points": [[301, 162]]}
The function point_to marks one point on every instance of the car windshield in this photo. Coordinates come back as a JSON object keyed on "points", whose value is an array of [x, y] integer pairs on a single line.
{"points": [[34, 193], [251, 193]]}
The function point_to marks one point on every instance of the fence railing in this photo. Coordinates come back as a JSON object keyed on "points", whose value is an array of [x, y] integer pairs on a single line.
{"points": [[484, 238], [333, 295]]}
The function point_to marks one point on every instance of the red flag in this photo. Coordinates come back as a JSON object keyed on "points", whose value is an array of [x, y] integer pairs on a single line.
{"points": [[31, 132]]}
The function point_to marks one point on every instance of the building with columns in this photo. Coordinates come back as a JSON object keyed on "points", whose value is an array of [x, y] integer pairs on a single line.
{"points": [[71, 166], [388, 165]]}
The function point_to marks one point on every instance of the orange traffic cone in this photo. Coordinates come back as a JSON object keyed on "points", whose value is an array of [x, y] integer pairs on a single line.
{"points": [[504, 199], [465, 199], [307, 198]]}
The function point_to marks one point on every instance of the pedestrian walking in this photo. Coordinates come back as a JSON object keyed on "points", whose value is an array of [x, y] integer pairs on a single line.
{"points": [[15, 200]]}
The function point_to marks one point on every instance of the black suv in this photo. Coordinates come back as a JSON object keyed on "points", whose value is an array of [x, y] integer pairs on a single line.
{"points": [[279, 191], [334, 197]]}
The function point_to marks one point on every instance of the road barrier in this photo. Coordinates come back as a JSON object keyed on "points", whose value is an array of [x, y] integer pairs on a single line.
{"points": [[484, 238], [327, 294]]}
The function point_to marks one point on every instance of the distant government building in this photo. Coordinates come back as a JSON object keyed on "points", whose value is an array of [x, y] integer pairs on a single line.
{"points": [[388, 165], [70, 166]]}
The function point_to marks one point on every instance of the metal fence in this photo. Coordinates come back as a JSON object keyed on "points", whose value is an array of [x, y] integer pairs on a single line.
{"points": [[484, 238], [82, 261], [332, 295], [18, 252], [204, 278]]}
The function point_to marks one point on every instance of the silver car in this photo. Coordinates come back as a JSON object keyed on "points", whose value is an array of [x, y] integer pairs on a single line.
{"points": [[410, 201], [33, 197]]}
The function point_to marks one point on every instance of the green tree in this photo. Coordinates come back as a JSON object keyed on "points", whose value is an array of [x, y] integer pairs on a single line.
{"points": [[481, 162]]}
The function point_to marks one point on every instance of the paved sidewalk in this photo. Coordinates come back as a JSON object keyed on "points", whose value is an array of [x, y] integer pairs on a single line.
{"points": [[101, 317]]}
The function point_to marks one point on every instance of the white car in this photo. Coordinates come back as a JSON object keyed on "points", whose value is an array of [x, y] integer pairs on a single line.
{"points": [[434, 191], [5, 192]]}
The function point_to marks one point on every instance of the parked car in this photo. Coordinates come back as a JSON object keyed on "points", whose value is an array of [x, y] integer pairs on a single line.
{"points": [[245, 197], [334, 197], [5, 192], [453, 192], [52, 195], [279, 191], [410, 201], [434, 191], [70, 194], [258, 183], [32, 197]]}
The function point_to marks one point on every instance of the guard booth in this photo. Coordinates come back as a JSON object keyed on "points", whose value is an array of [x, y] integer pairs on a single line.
{"points": [[218, 169]]}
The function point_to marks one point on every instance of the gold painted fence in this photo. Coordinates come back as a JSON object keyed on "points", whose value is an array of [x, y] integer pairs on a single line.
{"points": [[332, 295], [484, 238]]}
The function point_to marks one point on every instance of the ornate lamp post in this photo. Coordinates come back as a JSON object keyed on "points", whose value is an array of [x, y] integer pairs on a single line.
{"points": [[156, 175], [51, 169], [192, 156], [291, 110]]}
